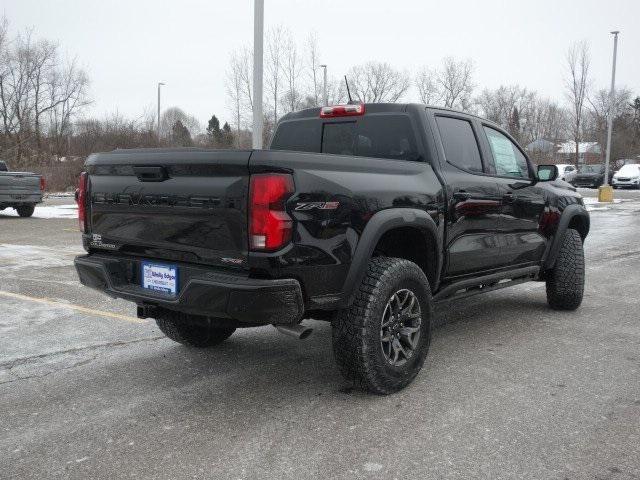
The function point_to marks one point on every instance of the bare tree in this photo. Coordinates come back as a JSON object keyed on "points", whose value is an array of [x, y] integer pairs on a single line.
{"points": [[245, 63], [173, 115], [547, 121], [292, 68], [68, 96], [314, 62], [336, 91], [377, 82], [577, 83], [273, 69], [600, 108], [234, 86], [455, 81], [427, 84], [38, 94], [504, 104]]}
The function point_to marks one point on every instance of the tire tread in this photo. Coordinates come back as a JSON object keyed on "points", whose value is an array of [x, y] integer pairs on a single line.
{"points": [[565, 282], [356, 359]]}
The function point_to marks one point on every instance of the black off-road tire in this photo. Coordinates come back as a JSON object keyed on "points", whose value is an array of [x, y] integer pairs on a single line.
{"points": [[177, 327], [565, 282], [25, 210], [357, 329]]}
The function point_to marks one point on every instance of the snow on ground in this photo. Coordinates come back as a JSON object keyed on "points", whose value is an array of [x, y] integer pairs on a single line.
{"points": [[18, 257], [49, 211], [59, 194], [593, 204]]}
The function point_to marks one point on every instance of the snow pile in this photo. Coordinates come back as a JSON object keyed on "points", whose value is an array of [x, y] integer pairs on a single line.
{"points": [[53, 211]]}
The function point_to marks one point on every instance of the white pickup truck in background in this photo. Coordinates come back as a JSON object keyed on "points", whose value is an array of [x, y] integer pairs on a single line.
{"points": [[20, 190]]}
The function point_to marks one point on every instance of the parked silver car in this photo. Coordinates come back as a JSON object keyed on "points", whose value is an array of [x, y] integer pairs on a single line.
{"points": [[567, 172]]}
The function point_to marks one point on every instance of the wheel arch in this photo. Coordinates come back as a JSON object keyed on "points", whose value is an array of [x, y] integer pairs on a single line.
{"points": [[573, 216], [380, 236]]}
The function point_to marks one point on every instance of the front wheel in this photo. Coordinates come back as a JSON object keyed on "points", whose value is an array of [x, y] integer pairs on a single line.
{"points": [[25, 210], [381, 341], [565, 282], [178, 328]]}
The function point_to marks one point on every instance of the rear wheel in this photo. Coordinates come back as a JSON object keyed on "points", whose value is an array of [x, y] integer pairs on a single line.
{"points": [[381, 341], [179, 328], [25, 210], [565, 282]]}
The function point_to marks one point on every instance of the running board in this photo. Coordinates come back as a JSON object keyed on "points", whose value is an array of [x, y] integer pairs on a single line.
{"points": [[486, 283]]}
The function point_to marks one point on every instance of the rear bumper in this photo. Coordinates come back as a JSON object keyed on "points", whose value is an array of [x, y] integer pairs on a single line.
{"points": [[205, 291], [20, 198]]}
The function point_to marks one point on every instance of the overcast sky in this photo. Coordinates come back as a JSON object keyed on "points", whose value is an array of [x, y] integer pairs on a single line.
{"points": [[128, 46]]}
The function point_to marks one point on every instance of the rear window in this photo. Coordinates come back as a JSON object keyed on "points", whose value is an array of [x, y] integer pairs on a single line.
{"points": [[459, 143], [379, 136], [298, 135]]}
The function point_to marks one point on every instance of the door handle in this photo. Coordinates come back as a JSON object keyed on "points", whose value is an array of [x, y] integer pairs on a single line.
{"points": [[461, 195], [150, 174], [508, 197]]}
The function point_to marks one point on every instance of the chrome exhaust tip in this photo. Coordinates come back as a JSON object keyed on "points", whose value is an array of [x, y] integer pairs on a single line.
{"points": [[298, 331]]}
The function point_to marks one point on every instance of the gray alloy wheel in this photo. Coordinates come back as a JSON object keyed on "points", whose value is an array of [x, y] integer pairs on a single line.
{"points": [[400, 327]]}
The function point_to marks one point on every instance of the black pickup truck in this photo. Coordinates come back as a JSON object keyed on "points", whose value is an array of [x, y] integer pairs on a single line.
{"points": [[362, 215]]}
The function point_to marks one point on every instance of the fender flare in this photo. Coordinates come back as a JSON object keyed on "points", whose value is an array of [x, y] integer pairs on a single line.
{"points": [[378, 225], [568, 214]]}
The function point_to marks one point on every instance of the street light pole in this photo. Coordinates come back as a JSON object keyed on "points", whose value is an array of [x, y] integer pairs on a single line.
{"points": [[159, 85], [325, 100], [258, 35], [612, 99]]}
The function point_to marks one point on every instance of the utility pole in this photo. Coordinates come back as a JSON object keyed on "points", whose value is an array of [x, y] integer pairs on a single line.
{"points": [[159, 85], [258, 37], [325, 99], [612, 100]]}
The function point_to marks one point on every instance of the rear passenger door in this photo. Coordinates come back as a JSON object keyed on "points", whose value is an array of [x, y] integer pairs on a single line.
{"points": [[472, 243], [523, 201]]}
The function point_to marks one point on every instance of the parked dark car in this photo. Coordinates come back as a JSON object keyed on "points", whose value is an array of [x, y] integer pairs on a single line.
{"points": [[363, 215], [589, 176], [20, 190]]}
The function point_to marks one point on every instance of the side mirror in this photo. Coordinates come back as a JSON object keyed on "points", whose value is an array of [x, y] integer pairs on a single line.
{"points": [[547, 173]]}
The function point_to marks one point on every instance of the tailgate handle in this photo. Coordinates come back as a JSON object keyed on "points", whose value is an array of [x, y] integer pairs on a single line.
{"points": [[150, 174]]}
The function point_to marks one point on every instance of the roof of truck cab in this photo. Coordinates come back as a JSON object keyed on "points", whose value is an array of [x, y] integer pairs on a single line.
{"points": [[378, 108]]}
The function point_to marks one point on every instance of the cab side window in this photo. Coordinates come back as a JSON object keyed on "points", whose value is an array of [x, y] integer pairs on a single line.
{"points": [[459, 142], [508, 159]]}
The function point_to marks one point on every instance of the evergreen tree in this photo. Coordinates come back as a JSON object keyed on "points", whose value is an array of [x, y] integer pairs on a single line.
{"points": [[227, 136], [213, 127], [180, 135], [214, 132], [635, 106], [514, 124]]}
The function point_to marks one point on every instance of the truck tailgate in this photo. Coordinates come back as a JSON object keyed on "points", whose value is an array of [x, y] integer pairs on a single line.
{"points": [[183, 205], [19, 184]]}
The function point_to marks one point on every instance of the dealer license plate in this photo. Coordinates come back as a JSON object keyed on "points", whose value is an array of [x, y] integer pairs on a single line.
{"points": [[160, 277]]}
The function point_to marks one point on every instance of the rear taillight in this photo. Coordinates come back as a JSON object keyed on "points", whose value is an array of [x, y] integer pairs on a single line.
{"points": [[43, 184], [342, 111], [81, 198], [270, 226]]}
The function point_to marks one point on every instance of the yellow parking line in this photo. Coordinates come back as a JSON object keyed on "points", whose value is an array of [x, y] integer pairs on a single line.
{"points": [[78, 308], [75, 230]]}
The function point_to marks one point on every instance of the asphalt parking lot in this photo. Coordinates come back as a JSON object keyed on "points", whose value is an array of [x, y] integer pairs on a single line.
{"points": [[511, 389]]}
